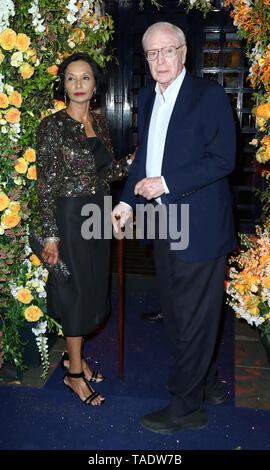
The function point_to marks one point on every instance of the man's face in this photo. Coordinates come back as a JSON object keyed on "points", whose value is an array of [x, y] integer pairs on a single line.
{"points": [[163, 69]]}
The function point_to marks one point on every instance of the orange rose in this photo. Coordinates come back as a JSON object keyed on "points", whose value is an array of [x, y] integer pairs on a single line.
{"points": [[265, 259], [32, 173], [21, 166], [4, 201], [3, 100], [25, 296], [10, 220], [8, 39], [53, 69], [26, 71], [266, 282], [263, 111], [22, 42], [15, 99], [30, 155], [59, 105], [32, 313], [13, 115]]}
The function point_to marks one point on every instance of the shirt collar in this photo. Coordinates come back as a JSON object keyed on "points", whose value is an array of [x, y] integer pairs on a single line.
{"points": [[172, 91]]}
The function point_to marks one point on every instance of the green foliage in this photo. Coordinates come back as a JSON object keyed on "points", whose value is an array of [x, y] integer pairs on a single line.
{"points": [[44, 32]]}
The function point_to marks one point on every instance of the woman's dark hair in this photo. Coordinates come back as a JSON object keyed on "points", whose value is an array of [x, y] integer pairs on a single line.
{"points": [[99, 75]]}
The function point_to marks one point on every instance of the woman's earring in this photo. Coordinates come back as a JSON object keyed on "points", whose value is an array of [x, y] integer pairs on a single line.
{"points": [[65, 97], [94, 96]]}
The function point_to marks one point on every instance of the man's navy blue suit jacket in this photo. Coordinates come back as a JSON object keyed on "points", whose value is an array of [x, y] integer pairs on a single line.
{"points": [[199, 154]]}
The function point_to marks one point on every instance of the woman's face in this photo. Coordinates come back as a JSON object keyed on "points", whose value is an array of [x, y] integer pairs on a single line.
{"points": [[79, 81]]}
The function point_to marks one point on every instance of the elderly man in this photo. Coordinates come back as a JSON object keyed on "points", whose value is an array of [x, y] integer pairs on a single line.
{"points": [[186, 151]]}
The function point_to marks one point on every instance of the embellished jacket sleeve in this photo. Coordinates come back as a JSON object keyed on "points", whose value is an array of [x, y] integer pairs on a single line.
{"points": [[46, 151], [118, 169]]}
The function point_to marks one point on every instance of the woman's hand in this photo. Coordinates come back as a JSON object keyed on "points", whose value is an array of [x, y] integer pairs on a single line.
{"points": [[50, 253], [132, 156]]}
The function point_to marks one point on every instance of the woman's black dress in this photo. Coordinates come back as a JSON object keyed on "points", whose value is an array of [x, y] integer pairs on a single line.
{"points": [[83, 303]]}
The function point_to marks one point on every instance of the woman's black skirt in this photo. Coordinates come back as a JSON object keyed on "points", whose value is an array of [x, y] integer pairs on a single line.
{"points": [[82, 304]]}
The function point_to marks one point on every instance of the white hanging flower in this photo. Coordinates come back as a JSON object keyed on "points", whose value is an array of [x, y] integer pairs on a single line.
{"points": [[40, 329], [6, 10], [37, 21], [73, 9], [2, 83]]}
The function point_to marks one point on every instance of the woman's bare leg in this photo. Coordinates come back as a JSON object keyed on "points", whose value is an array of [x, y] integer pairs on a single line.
{"points": [[74, 348]]}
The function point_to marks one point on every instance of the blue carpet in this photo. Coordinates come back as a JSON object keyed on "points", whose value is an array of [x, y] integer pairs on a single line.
{"points": [[54, 419]]}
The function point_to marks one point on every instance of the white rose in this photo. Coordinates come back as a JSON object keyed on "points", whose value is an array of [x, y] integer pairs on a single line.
{"points": [[16, 59], [9, 89], [17, 180]]}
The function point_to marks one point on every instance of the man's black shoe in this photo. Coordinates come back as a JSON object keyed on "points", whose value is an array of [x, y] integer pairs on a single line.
{"points": [[153, 316], [164, 422], [215, 395]]}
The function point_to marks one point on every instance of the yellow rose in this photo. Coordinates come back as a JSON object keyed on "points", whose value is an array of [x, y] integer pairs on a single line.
{"points": [[254, 311], [10, 220], [25, 296], [32, 313], [15, 99], [8, 39], [32, 173], [1, 57], [35, 260], [3, 100], [22, 42], [4, 201], [266, 282], [21, 165], [26, 71], [53, 69], [30, 155], [13, 115], [32, 53]]}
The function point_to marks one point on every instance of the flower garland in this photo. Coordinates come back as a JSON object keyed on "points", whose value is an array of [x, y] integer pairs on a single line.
{"points": [[248, 284], [253, 23], [28, 70]]}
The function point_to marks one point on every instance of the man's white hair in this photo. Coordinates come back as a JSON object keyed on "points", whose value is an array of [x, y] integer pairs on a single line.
{"points": [[164, 24]]}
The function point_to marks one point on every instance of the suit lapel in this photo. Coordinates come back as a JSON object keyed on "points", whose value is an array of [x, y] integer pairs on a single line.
{"points": [[147, 104]]}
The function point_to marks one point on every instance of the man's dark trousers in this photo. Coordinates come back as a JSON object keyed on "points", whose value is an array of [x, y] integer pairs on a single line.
{"points": [[191, 299]]}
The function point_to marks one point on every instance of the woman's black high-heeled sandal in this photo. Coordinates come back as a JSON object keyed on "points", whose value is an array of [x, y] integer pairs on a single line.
{"points": [[93, 394], [94, 376]]}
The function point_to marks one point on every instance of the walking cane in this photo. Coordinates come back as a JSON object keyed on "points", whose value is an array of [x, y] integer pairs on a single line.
{"points": [[120, 306]]}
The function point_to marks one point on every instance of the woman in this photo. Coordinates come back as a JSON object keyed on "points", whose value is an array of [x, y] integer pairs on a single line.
{"points": [[74, 167]]}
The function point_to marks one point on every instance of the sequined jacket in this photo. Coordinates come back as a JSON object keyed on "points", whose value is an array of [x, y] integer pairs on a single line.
{"points": [[66, 165]]}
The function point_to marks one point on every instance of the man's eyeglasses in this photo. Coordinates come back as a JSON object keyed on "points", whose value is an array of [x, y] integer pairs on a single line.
{"points": [[169, 52]]}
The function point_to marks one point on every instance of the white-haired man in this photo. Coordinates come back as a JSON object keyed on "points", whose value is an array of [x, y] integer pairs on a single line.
{"points": [[186, 150]]}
